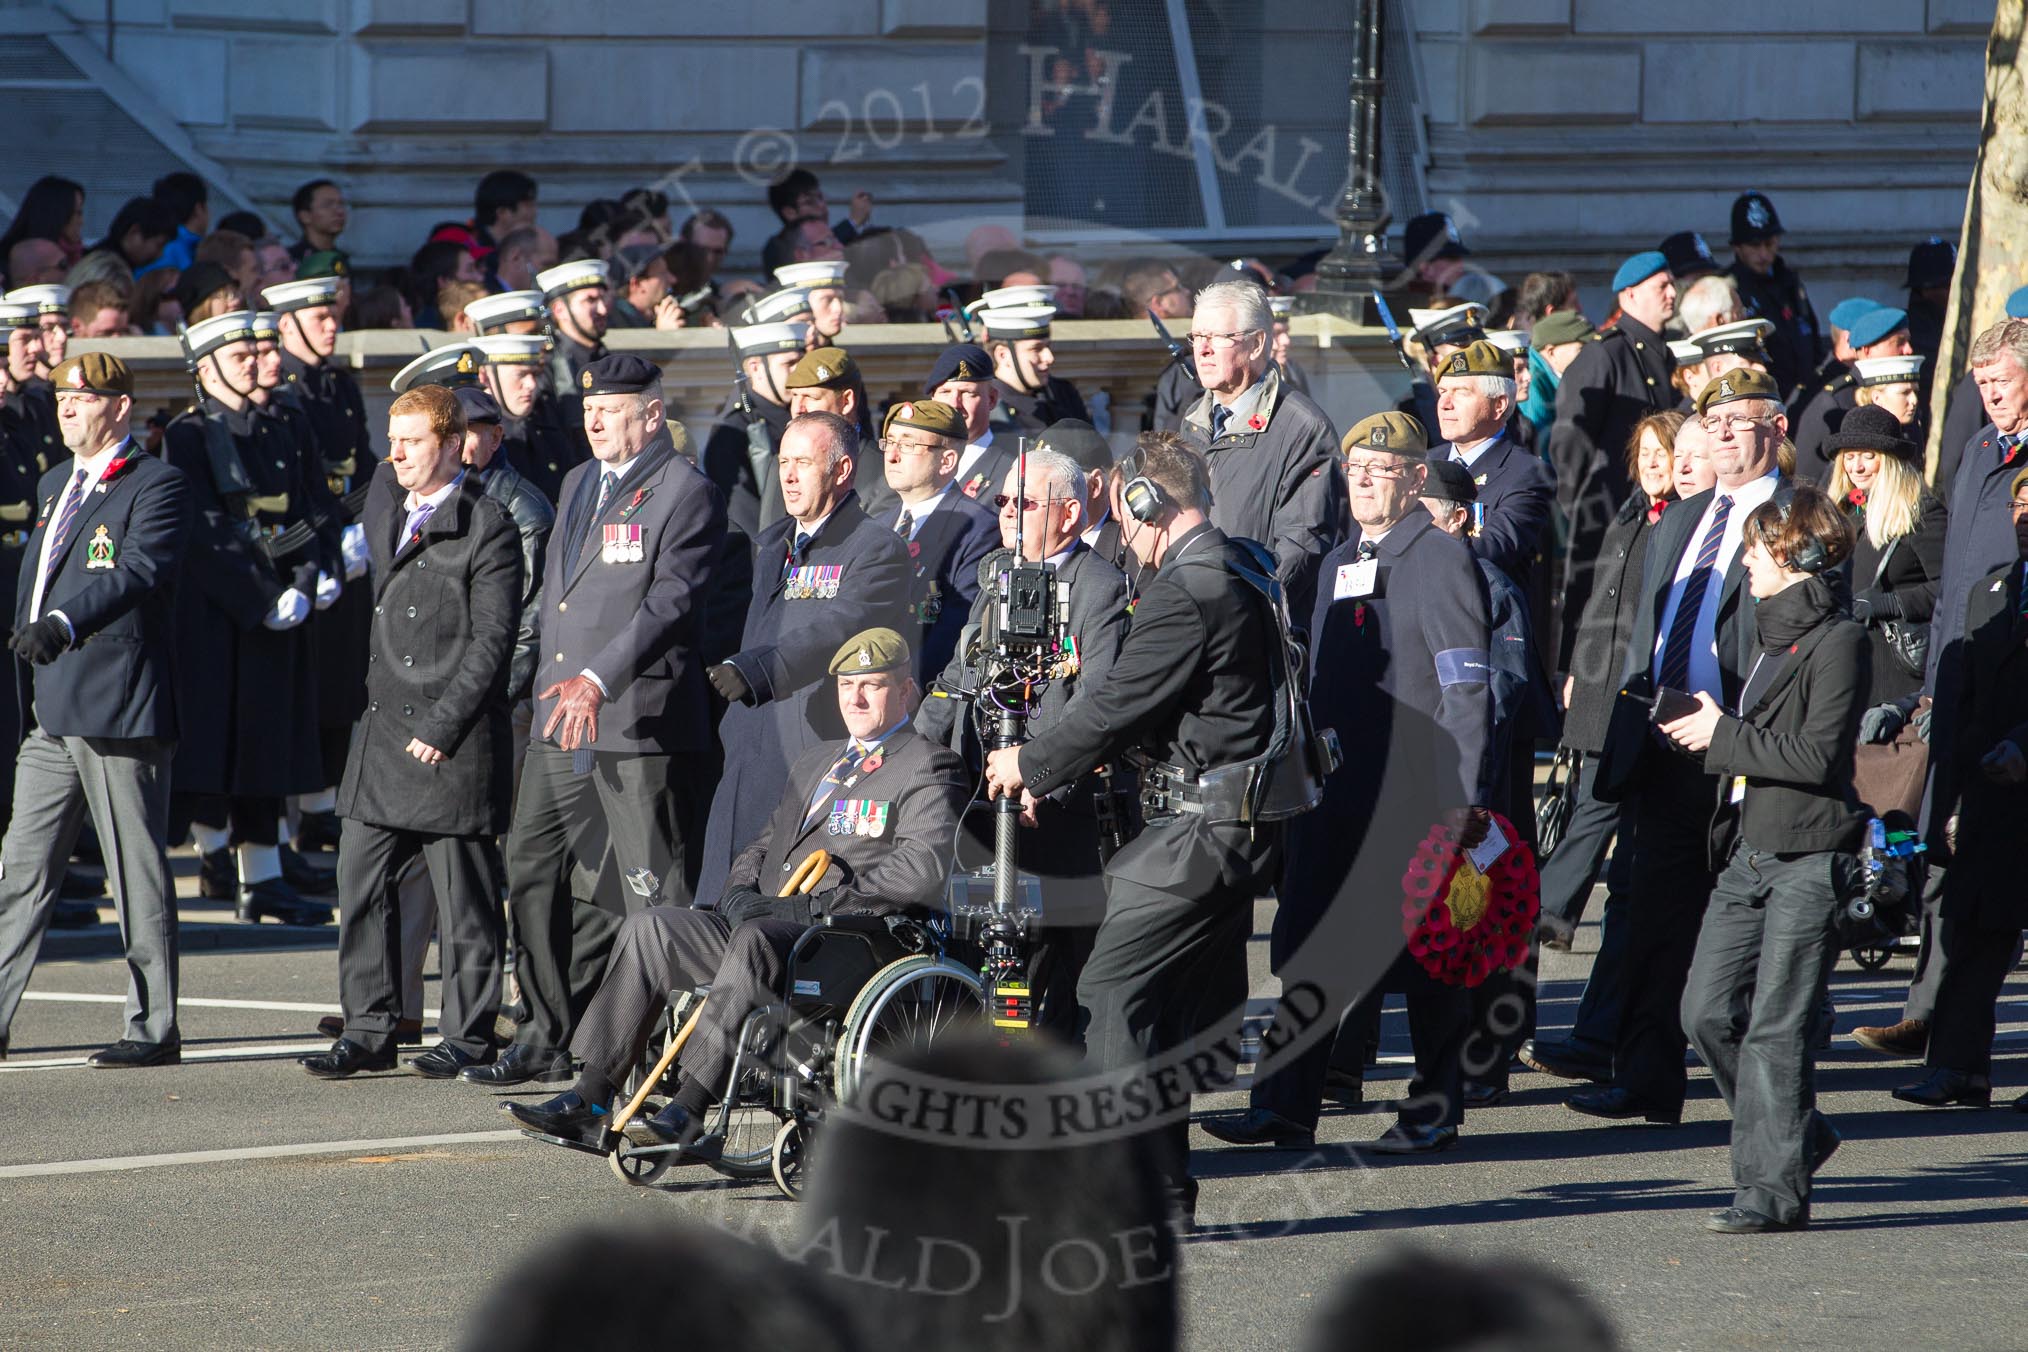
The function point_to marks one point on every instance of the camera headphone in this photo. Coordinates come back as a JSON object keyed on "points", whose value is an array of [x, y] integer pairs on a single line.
{"points": [[1813, 557], [1144, 498]]}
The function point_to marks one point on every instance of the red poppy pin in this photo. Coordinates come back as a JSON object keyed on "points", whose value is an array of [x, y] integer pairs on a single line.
{"points": [[114, 469], [634, 503], [1856, 497], [1256, 422], [870, 764], [915, 549]]}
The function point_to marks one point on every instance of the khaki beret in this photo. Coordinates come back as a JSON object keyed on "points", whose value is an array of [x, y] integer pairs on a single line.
{"points": [[1478, 358], [94, 373], [926, 415], [1395, 432], [828, 366], [870, 650], [1559, 327], [1748, 382]]}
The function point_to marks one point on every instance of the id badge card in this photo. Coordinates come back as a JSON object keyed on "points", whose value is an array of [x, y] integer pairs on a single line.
{"points": [[1356, 579]]}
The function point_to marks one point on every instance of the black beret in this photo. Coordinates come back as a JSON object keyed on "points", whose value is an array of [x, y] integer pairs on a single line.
{"points": [[1080, 441], [479, 406], [964, 361], [199, 283], [619, 373], [1450, 482]]}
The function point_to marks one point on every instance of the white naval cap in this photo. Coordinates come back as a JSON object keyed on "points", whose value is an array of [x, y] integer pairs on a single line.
{"points": [[508, 307], [1887, 370], [451, 365], [48, 298], [208, 335], [513, 349], [753, 340], [565, 278], [1459, 324], [811, 276], [303, 294], [1018, 321]]}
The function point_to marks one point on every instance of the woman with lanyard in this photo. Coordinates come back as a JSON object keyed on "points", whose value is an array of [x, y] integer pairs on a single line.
{"points": [[1793, 820]]}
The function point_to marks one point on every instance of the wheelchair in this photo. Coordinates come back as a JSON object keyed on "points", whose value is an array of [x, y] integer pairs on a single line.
{"points": [[855, 988], [1883, 906]]}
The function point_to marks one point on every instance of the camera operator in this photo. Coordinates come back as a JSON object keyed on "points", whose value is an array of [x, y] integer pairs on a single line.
{"points": [[1194, 689], [1768, 938], [1062, 846]]}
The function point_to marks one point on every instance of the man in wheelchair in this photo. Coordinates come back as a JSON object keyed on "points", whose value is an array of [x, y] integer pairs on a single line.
{"points": [[884, 803]]}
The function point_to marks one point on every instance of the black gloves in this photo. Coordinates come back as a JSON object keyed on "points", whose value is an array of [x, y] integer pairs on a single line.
{"points": [[745, 903], [730, 685], [41, 642], [1873, 607]]}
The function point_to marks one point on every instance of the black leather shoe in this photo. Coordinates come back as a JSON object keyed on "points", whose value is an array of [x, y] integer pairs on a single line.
{"points": [[73, 915], [1478, 1095], [1946, 1088], [1737, 1220], [275, 900], [443, 1062], [1258, 1126], [1563, 1061], [407, 1032], [77, 885], [522, 1065], [218, 876], [566, 1117], [127, 1054], [1344, 1087], [675, 1126], [305, 876], [2020, 1104], [317, 831], [346, 1057], [1403, 1139], [1618, 1105]]}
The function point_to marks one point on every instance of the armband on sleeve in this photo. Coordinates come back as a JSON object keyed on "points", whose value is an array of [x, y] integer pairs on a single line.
{"points": [[1463, 666]]}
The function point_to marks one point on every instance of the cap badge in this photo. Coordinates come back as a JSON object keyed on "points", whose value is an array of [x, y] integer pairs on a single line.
{"points": [[465, 366], [823, 371], [1379, 438], [1756, 212], [77, 380], [1457, 365], [585, 379], [1725, 388], [905, 412], [866, 657], [964, 371]]}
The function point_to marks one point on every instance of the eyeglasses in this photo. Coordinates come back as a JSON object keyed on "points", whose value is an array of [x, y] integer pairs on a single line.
{"points": [[1715, 423], [899, 447], [1218, 339], [1002, 502], [1376, 469]]}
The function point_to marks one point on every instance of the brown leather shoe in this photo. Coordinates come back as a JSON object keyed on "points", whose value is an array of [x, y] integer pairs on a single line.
{"points": [[407, 1032], [1908, 1039]]}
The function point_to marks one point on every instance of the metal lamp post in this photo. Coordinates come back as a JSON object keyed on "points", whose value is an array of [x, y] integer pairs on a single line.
{"points": [[1361, 262]]}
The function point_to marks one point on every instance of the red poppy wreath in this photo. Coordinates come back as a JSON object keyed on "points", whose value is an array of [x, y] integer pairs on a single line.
{"points": [[1463, 925]]}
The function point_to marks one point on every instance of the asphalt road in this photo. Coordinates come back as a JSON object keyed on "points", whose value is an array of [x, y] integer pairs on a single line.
{"points": [[237, 1203]]}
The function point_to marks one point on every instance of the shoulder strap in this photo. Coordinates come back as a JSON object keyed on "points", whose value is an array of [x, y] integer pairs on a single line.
{"points": [[1880, 568]]}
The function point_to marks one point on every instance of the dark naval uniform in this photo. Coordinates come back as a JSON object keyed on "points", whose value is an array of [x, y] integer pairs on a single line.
{"points": [[1022, 413], [852, 575], [22, 462], [944, 549], [909, 786], [1819, 420], [1176, 390], [544, 446], [753, 494], [30, 410], [246, 694], [1193, 688], [1797, 342], [1275, 478], [1063, 848], [983, 477], [1517, 492], [1400, 659]]}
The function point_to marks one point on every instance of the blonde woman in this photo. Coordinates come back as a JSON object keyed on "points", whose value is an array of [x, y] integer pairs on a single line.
{"points": [[1889, 383], [1876, 477]]}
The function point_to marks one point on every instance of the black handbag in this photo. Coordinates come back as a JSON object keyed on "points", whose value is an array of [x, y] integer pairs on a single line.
{"points": [[1908, 641], [1557, 801]]}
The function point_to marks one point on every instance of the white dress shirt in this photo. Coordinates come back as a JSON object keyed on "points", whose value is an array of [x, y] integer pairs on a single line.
{"points": [[970, 455], [1705, 672], [918, 510], [94, 469]]}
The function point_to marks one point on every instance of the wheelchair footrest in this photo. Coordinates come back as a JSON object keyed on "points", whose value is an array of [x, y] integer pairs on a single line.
{"points": [[609, 1142]]}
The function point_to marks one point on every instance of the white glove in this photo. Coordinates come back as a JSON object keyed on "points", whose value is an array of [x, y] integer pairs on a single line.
{"points": [[291, 609], [328, 588], [352, 544]]}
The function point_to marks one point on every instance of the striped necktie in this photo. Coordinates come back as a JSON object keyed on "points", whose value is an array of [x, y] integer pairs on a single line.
{"points": [[1683, 632], [841, 770], [796, 553], [66, 517]]}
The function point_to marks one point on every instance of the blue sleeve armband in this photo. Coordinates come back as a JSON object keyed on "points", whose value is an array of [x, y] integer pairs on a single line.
{"points": [[1463, 666]]}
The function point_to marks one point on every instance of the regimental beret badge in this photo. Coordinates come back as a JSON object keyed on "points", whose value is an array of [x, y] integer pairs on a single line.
{"points": [[1459, 366], [1724, 388], [905, 411], [1377, 438], [866, 657], [823, 372], [586, 379], [465, 364], [965, 372], [77, 380]]}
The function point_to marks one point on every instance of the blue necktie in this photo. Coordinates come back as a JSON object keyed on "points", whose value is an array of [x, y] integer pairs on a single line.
{"points": [[796, 552], [841, 770], [1219, 413], [1683, 632], [66, 517]]}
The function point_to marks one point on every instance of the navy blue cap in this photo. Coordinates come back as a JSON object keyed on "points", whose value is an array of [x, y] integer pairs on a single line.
{"points": [[1639, 268], [2017, 303], [1876, 324], [1846, 313], [619, 373], [964, 361], [478, 405]]}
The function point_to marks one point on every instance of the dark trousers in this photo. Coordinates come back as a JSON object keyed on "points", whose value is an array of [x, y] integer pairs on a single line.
{"points": [[1439, 1024], [667, 948], [636, 805], [1574, 864], [1502, 1018], [1751, 1007], [1164, 968], [1596, 1029], [462, 869], [252, 819], [1672, 882], [1962, 1023], [1930, 958]]}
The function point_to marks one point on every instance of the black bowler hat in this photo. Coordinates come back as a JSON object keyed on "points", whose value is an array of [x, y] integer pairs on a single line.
{"points": [[1870, 427], [619, 373]]}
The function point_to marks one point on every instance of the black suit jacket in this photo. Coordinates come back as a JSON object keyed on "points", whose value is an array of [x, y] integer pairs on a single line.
{"points": [[916, 793], [1983, 886], [117, 679], [943, 567], [1517, 492], [635, 623], [445, 612]]}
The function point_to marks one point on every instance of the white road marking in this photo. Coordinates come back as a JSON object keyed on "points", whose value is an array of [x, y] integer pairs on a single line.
{"points": [[121, 1163], [195, 1002], [252, 1051]]}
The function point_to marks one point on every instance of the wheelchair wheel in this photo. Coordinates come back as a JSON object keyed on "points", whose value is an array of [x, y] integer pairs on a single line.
{"points": [[909, 1003], [787, 1156], [750, 1134], [635, 1170], [1873, 957]]}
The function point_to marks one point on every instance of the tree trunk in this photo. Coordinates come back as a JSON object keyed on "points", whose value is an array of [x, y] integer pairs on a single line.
{"points": [[1993, 246]]}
